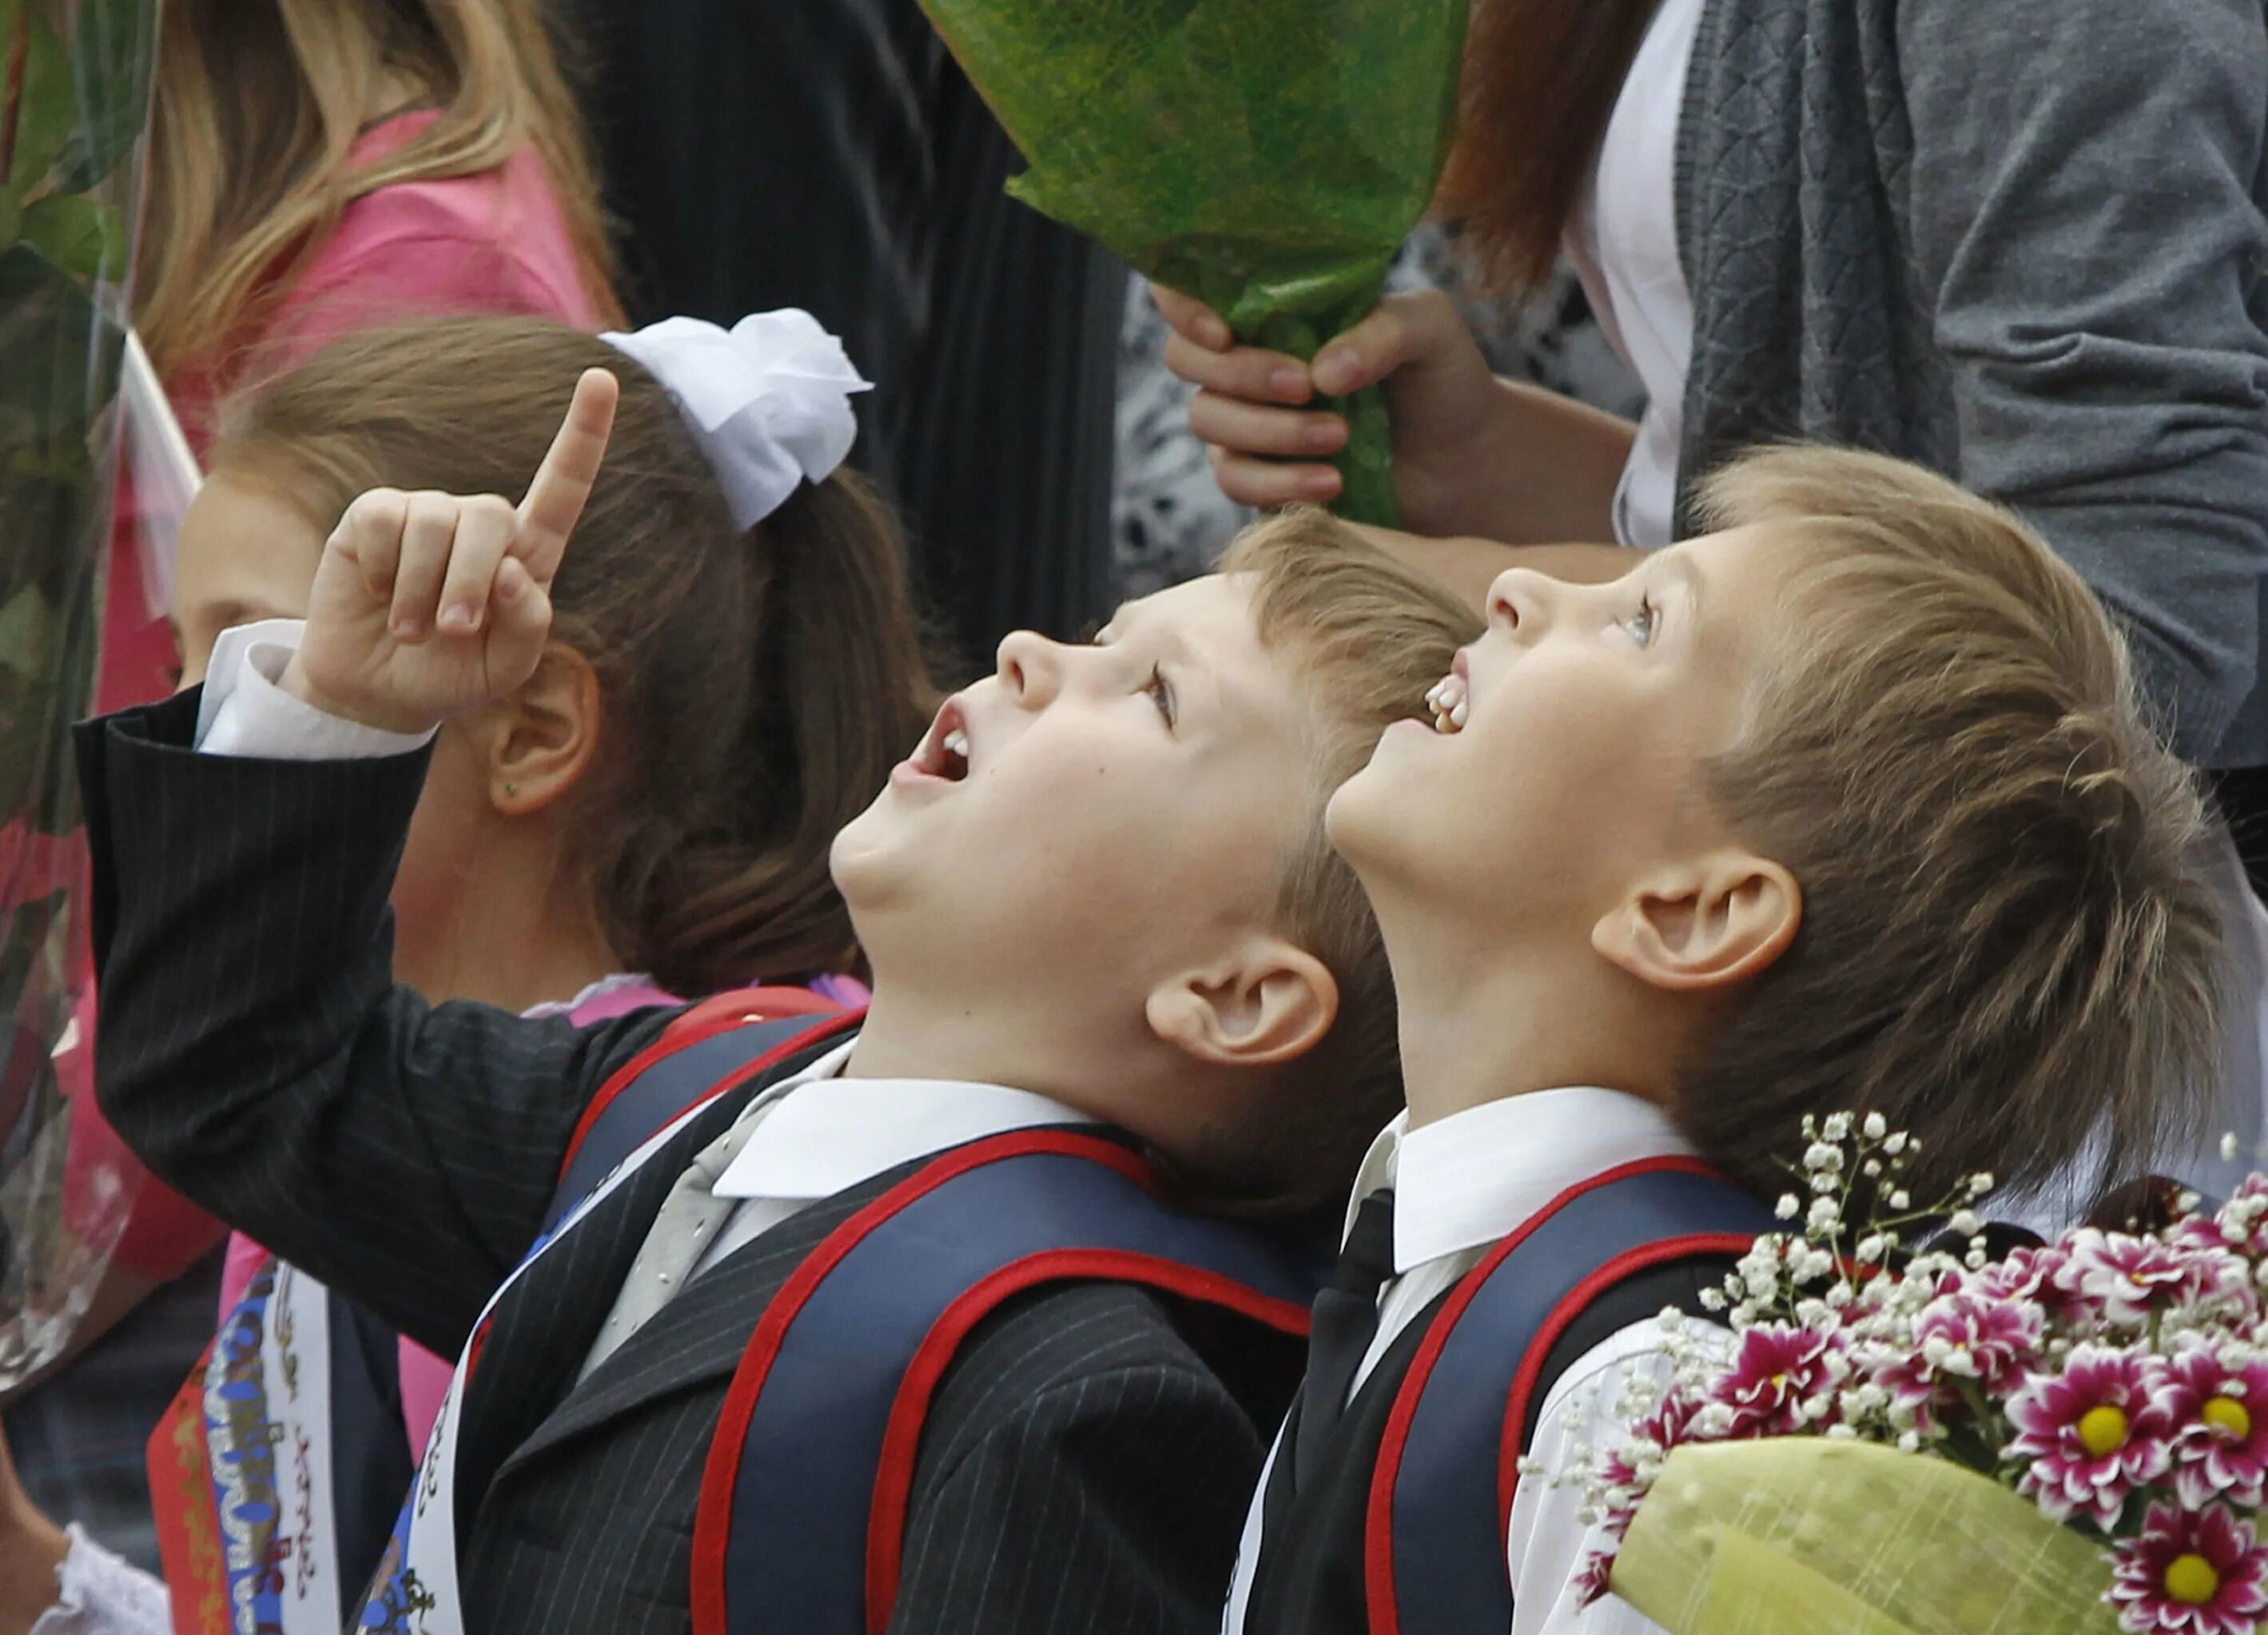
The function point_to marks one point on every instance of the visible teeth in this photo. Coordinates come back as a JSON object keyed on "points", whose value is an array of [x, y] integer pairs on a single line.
{"points": [[1446, 699], [956, 742]]}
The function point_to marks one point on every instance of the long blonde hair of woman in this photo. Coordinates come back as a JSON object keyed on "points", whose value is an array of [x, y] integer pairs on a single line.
{"points": [[256, 106]]}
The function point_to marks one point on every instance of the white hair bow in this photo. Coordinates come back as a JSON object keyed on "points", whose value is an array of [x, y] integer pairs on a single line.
{"points": [[769, 399]]}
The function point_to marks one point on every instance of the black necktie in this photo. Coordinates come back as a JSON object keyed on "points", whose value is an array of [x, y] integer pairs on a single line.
{"points": [[1346, 1324]]}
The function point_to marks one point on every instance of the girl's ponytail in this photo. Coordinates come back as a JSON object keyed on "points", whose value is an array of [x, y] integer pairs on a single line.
{"points": [[840, 692]]}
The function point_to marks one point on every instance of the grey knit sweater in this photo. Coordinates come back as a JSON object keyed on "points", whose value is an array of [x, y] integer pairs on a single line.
{"points": [[2022, 241]]}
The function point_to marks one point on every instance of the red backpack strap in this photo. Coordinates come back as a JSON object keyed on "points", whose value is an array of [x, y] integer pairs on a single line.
{"points": [[714, 1047], [803, 1505], [1447, 1471]]}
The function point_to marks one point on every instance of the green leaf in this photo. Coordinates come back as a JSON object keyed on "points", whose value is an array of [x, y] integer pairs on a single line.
{"points": [[26, 632], [112, 50], [57, 361], [47, 113], [78, 234]]}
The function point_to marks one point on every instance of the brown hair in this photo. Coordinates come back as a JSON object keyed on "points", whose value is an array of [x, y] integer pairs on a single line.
{"points": [[1540, 80], [756, 687], [2006, 949], [1365, 636], [255, 106]]}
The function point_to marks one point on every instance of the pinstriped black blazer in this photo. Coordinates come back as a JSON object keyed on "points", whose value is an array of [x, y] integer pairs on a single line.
{"points": [[1087, 1461]]}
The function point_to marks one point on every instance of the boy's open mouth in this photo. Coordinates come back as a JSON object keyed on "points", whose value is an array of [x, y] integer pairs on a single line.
{"points": [[944, 753], [1450, 698]]}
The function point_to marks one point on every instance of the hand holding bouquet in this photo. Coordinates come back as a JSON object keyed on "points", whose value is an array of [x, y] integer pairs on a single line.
{"points": [[1268, 157]]}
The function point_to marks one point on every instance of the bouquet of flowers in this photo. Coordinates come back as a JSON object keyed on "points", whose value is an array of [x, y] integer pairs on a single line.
{"points": [[1268, 157], [2070, 1437], [74, 92]]}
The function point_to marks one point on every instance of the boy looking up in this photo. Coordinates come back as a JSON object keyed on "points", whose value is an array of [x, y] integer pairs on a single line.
{"points": [[1847, 805], [1102, 920]]}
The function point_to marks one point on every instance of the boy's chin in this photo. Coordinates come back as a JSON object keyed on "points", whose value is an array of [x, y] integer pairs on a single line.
{"points": [[1358, 819]]}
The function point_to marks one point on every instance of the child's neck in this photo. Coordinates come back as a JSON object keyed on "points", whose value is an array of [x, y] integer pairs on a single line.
{"points": [[1480, 1024], [911, 1034], [512, 950]]}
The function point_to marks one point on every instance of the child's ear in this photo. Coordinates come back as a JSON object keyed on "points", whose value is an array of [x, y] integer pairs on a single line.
{"points": [[1272, 1004], [1714, 921], [537, 743]]}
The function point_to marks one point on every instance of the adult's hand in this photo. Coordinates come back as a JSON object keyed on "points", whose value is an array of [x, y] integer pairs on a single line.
{"points": [[1473, 454], [1268, 445]]}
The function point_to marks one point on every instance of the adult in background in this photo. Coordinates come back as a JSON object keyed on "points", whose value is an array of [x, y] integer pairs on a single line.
{"points": [[2023, 243], [830, 155], [315, 167]]}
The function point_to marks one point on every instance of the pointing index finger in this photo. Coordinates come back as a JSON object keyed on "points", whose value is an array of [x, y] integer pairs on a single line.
{"points": [[555, 499]]}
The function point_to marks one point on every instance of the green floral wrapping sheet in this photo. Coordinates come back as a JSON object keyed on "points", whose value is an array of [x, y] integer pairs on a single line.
{"points": [[1268, 157]]}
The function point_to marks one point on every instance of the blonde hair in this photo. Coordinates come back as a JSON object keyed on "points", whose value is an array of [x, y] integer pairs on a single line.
{"points": [[2006, 945], [256, 106], [1365, 636]]}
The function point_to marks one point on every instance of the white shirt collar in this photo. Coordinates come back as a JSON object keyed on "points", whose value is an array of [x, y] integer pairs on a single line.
{"points": [[825, 1133], [1474, 1177]]}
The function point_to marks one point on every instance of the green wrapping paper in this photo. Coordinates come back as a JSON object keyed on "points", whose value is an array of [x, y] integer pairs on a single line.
{"points": [[1268, 157], [1801, 1536]]}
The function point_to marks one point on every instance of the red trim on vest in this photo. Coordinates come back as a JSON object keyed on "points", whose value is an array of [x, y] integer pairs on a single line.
{"points": [[181, 1499], [712, 1527], [1378, 1521], [893, 1481], [1562, 1316], [703, 1021]]}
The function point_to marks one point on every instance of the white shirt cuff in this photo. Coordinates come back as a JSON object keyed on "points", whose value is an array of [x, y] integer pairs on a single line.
{"points": [[245, 713]]}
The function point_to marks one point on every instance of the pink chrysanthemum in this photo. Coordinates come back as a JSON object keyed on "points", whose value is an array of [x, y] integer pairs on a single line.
{"points": [[2189, 1572], [2092, 1433], [2025, 1273], [1775, 1384], [2124, 1279], [2219, 1411], [1964, 1336]]}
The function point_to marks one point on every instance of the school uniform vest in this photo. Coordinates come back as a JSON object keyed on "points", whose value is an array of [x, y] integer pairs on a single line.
{"points": [[768, 1419], [1402, 1526]]}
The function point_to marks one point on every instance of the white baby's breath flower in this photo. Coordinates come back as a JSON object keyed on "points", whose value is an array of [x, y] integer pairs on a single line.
{"points": [[1896, 1143], [1870, 1248], [1981, 1182], [1788, 1207], [1900, 1198], [1824, 1215], [2228, 1147], [1821, 1157], [1964, 1223], [1910, 1442], [1837, 1127], [1875, 1127]]}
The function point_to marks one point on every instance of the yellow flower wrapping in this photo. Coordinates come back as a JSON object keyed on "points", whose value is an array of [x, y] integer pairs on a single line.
{"points": [[1805, 1537]]}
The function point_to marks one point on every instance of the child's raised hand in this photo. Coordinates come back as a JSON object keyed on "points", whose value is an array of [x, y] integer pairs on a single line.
{"points": [[429, 605]]}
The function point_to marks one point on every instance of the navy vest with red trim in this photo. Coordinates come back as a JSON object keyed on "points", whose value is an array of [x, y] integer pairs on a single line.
{"points": [[1405, 1530], [803, 1504]]}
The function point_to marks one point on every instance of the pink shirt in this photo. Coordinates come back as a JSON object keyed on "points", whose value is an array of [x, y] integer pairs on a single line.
{"points": [[494, 242]]}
